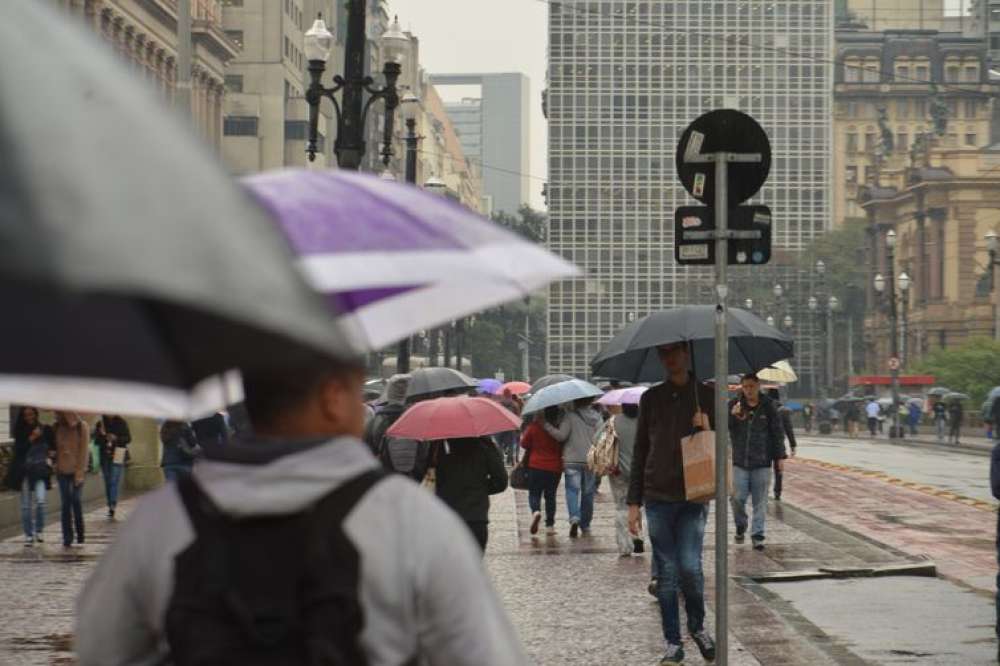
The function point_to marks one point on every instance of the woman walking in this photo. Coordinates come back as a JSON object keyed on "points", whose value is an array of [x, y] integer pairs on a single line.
{"points": [[543, 460], [30, 471], [180, 449], [72, 437], [112, 436], [626, 420]]}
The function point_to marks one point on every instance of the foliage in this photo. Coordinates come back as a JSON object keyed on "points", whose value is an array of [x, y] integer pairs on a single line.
{"points": [[973, 368], [528, 223], [847, 273]]}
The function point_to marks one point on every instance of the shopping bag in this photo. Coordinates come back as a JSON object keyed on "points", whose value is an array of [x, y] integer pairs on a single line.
{"points": [[698, 453]]}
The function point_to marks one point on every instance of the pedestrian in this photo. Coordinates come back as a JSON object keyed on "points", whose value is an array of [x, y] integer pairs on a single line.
{"points": [[914, 412], [785, 414], [72, 437], [995, 487], [808, 411], [669, 412], [180, 450], [758, 443], [575, 432], [395, 405], [543, 459], [468, 471], [956, 414], [211, 431], [873, 411], [112, 436], [306, 479], [30, 471], [508, 440], [940, 412], [626, 420]]}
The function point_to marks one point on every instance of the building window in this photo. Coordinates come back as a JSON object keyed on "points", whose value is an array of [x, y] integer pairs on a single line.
{"points": [[902, 142], [869, 175], [288, 46], [921, 73], [903, 73], [852, 142], [871, 72], [971, 108], [296, 130], [852, 71], [234, 83], [903, 108], [869, 141], [994, 12], [232, 3], [235, 36], [240, 126], [852, 174], [951, 73], [920, 109], [995, 42], [970, 140]]}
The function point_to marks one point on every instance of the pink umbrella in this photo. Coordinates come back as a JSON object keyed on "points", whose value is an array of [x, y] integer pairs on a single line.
{"points": [[631, 396], [517, 388], [453, 418], [612, 397]]}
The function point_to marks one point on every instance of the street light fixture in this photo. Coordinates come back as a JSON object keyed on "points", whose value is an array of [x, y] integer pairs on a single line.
{"points": [[748, 303], [350, 143], [890, 239], [788, 321], [778, 291], [879, 283], [770, 320], [821, 267]]}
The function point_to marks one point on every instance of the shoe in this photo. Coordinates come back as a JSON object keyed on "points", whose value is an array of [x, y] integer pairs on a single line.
{"points": [[653, 588], [39, 539], [550, 530], [740, 536], [79, 540], [705, 644], [758, 544], [674, 655], [536, 518], [574, 531], [777, 498], [638, 547], [29, 542], [111, 514], [67, 546], [586, 532]]}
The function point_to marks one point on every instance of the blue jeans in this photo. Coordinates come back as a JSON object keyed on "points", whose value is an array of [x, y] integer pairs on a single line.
{"points": [[176, 472], [112, 474], [580, 487], [31, 491], [541, 482], [72, 508], [677, 532], [750, 483]]}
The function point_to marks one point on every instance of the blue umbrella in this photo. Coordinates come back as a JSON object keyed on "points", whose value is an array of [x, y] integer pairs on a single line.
{"points": [[560, 394], [489, 386]]}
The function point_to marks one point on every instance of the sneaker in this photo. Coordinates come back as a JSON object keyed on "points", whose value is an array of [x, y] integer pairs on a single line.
{"points": [[674, 655], [29, 542], [653, 588], [586, 532], [79, 540], [758, 544], [574, 530], [536, 518], [638, 547], [705, 644], [740, 536], [777, 497], [550, 530], [39, 539]]}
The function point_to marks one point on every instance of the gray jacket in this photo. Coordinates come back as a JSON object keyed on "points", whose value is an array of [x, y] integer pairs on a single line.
{"points": [[423, 588], [576, 433], [626, 428]]}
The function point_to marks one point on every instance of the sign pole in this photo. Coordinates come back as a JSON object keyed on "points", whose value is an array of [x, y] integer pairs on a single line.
{"points": [[721, 411]]}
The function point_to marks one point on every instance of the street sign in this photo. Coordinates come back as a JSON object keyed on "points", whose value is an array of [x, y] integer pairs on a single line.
{"points": [[894, 363], [723, 130], [749, 235]]}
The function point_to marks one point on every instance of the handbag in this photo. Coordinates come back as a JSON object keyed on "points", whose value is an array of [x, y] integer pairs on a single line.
{"points": [[519, 475], [698, 459]]}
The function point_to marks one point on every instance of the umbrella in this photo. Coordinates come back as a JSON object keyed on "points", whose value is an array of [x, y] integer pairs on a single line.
{"points": [[517, 388], [561, 393], [631, 396], [843, 402], [611, 397], [993, 394], [489, 385], [431, 381], [779, 372], [452, 418], [136, 267], [939, 391], [631, 355], [794, 405], [955, 396], [549, 380], [396, 259]]}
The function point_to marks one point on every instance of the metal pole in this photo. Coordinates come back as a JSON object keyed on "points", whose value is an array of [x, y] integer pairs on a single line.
{"points": [[526, 351], [993, 289], [721, 416], [350, 145], [850, 345], [403, 352], [183, 87], [829, 345], [894, 343]]}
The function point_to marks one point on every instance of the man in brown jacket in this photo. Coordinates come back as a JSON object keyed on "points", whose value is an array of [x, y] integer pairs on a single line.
{"points": [[72, 436]]}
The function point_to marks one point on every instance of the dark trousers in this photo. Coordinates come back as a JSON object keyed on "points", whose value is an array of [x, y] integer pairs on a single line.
{"points": [[481, 531], [873, 425], [778, 476], [542, 483], [72, 508]]}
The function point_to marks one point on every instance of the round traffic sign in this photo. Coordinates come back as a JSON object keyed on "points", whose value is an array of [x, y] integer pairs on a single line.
{"points": [[723, 130], [894, 363]]}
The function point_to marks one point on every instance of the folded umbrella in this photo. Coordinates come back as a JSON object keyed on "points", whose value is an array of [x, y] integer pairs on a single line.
{"points": [[632, 354], [135, 268], [432, 381], [393, 259], [561, 393], [549, 380], [517, 388], [453, 418]]}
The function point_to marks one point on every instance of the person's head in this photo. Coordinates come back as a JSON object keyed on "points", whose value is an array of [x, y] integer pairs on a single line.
{"points": [[553, 414], [29, 416], [630, 410], [395, 389], [750, 385], [675, 358], [508, 394], [310, 396]]}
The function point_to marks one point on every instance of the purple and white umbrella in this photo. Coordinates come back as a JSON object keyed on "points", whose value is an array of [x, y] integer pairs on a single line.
{"points": [[393, 259]]}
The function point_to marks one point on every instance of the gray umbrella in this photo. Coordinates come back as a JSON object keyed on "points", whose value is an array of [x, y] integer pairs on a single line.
{"points": [[127, 254], [939, 391], [427, 382], [549, 380], [631, 355]]}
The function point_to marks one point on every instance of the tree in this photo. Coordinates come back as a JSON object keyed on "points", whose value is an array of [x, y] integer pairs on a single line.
{"points": [[528, 223], [973, 368]]}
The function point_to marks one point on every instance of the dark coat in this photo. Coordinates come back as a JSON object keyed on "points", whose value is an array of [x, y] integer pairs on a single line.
{"points": [[757, 440], [14, 478], [468, 472], [113, 425], [180, 445], [786, 425], [211, 430], [382, 421]]}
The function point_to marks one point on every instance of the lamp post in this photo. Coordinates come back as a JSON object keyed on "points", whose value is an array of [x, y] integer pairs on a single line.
{"points": [[403, 352], [749, 304], [880, 286], [350, 143], [993, 246], [823, 361]]}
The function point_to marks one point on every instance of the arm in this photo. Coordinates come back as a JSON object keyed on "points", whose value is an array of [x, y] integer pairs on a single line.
{"points": [[786, 420], [495, 468], [527, 438], [639, 455], [561, 432]]}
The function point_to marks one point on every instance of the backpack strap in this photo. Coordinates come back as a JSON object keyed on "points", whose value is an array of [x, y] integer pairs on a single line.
{"points": [[201, 510], [335, 506]]}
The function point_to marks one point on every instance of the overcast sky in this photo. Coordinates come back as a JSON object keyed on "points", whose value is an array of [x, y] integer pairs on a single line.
{"points": [[486, 36]]}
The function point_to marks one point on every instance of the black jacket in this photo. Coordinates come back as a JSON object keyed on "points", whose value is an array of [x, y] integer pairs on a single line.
{"points": [[786, 424], [468, 472], [757, 440], [17, 469], [180, 445], [113, 425]]}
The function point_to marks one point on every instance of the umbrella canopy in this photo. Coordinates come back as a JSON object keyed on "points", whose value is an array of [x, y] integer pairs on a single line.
{"points": [[631, 355], [431, 381], [939, 391], [452, 418], [780, 372], [631, 396], [489, 386], [955, 396], [549, 380], [395, 259], [136, 267], [611, 397], [794, 405], [561, 393], [517, 388]]}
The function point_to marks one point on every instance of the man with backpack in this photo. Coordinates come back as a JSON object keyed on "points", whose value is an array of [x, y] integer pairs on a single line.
{"points": [[395, 405], [294, 548]]}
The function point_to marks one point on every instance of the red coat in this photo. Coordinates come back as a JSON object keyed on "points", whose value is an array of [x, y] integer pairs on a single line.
{"points": [[546, 452]]}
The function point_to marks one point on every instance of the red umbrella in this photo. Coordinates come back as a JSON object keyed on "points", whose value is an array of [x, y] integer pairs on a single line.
{"points": [[517, 388], [451, 418]]}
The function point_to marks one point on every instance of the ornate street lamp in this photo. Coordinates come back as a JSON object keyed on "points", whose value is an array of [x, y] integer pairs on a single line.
{"points": [[993, 247], [748, 303]]}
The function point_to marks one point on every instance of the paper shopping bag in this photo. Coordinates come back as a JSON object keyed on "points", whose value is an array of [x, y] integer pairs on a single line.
{"points": [[698, 452]]}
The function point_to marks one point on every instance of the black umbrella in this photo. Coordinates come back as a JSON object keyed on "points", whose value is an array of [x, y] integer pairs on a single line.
{"points": [[131, 266], [435, 381], [549, 380], [631, 355]]}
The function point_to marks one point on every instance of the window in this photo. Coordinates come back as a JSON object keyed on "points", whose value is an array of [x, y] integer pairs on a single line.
{"points": [[970, 140], [235, 36], [951, 73], [288, 47], [920, 108], [296, 130], [871, 72], [903, 73], [234, 83], [869, 141], [903, 108], [232, 3], [852, 174], [852, 72], [852, 142], [869, 175], [994, 12], [240, 126], [971, 108], [902, 142], [921, 73]]}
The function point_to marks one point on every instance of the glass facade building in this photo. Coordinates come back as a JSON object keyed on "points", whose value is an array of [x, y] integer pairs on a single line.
{"points": [[625, 78]]}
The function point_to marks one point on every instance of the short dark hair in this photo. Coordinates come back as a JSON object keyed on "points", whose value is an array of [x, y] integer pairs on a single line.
{"points": [[271, 392], [751, 376]]}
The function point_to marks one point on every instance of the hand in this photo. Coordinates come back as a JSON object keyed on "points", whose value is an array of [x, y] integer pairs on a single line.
{"points": [[35, 434], [700, 420], [635, 519], [781, 465], [737, 409]]}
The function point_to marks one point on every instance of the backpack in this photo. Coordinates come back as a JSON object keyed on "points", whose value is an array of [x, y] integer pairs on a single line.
{"points": [[268, 590], [603, 455], [405, 456]]}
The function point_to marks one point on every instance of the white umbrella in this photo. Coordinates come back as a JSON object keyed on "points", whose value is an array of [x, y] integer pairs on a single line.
{"points": [[780, 372]]}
